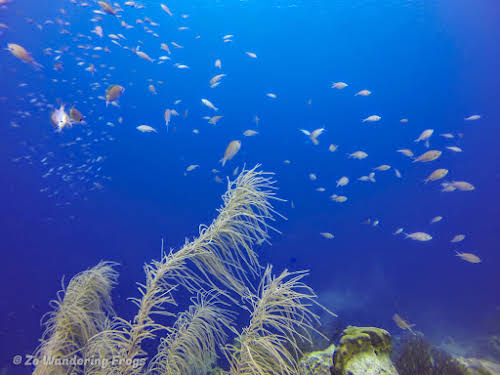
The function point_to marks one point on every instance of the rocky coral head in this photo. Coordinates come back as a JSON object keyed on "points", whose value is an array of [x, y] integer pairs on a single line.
{"points": [[363, 350]]}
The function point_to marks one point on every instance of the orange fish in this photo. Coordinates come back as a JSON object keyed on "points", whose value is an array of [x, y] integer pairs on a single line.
{"points": [[22, 54], [167, 116], [166, 10], [401, 323], [231, 150], [468, 257], [107, 8], [113, 92]]}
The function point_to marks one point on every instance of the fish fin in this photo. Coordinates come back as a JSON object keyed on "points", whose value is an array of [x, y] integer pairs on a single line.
{"points": [[222, 161], [306, 132], [427, 144]]}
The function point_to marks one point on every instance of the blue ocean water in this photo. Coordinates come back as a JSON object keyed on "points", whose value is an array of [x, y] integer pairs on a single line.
{"points": [[432, 62]]}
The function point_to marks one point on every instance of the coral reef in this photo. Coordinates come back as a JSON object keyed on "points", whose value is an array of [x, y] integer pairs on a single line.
{"points": [[218, 268], [363, 350], [417, 356], [487, 347], [318, 362], [476, 366]]}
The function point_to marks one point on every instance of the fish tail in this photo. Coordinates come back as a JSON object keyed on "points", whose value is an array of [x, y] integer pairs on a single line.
{"points": [[36, 65]]}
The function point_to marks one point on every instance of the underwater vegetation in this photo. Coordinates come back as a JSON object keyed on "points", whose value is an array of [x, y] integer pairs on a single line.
{"points": [[218, 268], [418, 356], [80, 312]]}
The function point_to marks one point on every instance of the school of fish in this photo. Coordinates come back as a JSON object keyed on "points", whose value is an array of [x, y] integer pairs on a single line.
{"points": [[135, 34]]}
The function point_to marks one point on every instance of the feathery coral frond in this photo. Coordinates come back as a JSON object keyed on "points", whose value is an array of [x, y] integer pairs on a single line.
{"points": [[123, 339], [223, 250], [191, 344], [222, 253], [221, 257], [281, 316], [80, 312]]}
